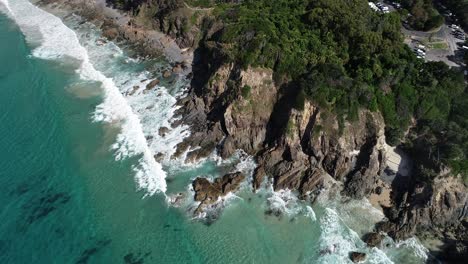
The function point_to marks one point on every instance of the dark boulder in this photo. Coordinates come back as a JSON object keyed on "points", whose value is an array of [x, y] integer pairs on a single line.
{"points": [[152, 84], [357, 256], [208, 192], [373, 239]]}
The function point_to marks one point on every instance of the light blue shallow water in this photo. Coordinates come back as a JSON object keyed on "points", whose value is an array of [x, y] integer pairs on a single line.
{"points": [[66, 199]]}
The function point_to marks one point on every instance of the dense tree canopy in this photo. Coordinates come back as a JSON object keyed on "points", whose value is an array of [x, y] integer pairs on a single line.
{"points": [[460, 9], [345, 57], [423, 15]]}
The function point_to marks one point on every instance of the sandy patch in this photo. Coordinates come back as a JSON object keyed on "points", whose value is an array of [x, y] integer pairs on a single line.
{"points": [[383, 199]]}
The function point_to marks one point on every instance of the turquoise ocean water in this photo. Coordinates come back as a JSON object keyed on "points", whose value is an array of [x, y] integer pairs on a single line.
{"points": [[79, 184]]}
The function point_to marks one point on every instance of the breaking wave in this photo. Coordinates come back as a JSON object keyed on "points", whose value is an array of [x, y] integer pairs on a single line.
{"points": [[53, 40]]}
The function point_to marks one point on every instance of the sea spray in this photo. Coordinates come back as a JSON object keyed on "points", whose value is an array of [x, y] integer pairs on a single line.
{"points": [[56, 42]]}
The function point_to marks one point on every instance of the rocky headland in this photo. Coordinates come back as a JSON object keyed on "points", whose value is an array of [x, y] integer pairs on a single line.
{"points": [[230, 107]]}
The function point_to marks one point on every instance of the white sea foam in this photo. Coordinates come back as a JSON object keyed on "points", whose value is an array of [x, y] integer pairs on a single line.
{"points": [[6, 5], [416, 247], [55, 41], [337, 240], [310, 213], [156, 107], [284, 201]]}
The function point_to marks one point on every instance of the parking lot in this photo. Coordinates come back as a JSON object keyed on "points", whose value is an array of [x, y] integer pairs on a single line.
{"points": [[443, 44]]}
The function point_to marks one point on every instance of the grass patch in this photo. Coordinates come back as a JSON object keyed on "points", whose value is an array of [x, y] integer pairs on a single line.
{"points": [[438, 45], [246, 90]]}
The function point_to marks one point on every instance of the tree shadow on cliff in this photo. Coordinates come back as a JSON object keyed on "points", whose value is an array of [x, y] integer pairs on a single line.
{"points": [[278, 122]]}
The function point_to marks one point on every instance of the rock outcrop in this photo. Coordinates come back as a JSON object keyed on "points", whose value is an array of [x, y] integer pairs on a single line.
{"points": [[357, 257], [232, 108], [373, 239], [434, 210], [208, 192]]}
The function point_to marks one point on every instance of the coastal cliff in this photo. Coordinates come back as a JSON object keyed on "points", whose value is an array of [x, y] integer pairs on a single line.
{"points": [[295, 139], [296, 148], [296, 142]]}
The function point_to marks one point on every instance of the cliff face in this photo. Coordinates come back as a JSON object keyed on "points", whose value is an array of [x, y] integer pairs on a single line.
{"points": [[245, 109], [233, 108]]}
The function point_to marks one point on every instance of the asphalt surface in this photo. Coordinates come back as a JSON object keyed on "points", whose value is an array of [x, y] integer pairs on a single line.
{"points": [[452, 56]]}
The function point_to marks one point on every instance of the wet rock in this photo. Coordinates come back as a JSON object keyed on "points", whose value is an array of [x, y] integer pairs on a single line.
{"points": [[357, 256], [177, 69], [152, 84], [181, 148], [441, 203], [208, 192], [110, 33], [258, 176], [158, 156], [163, 131], [373, 239], [167, 74], [134, 89]]}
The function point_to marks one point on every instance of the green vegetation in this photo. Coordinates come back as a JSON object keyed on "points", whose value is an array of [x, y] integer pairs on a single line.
{"points": [[460, 9], [246, 91], [438, 45], [423, 14], [200, 3], [345, 57]]}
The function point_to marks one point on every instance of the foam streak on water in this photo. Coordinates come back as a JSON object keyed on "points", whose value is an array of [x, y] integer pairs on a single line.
{"points": [[55, 42]]}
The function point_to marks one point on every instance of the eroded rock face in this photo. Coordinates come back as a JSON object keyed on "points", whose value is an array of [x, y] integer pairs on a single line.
{"points": [[208, 192], [425, 206], [296, 148], [235, 109]]}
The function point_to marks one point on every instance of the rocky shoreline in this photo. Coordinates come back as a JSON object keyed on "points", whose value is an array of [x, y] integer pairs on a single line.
{"points": [[229, 107], [295, 148], [120, 26]]}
